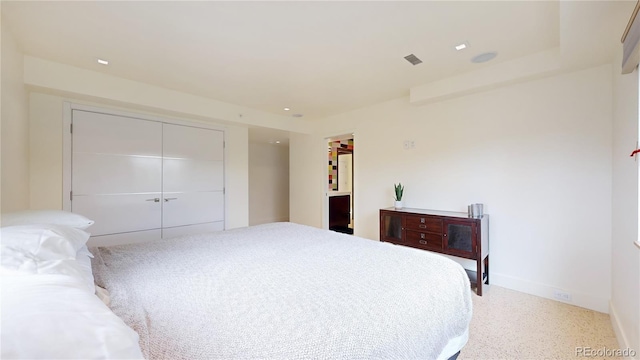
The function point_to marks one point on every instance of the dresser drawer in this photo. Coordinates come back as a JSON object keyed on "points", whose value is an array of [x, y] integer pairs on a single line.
{"points": [[424, 223], [423, 240]]}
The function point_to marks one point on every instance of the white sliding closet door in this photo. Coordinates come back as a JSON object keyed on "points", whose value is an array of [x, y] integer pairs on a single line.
{"points": [[193, 180], [142, 180], [117, 173]]}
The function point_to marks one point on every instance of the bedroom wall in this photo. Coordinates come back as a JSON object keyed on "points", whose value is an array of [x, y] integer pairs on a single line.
{"points": [[268, 183], [236, 173], [46, 120], [537, 154], [14, 178], [307, 182], [625, 270]]}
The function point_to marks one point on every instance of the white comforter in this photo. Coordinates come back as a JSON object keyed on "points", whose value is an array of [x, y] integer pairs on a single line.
{"points": [[285, 291]]}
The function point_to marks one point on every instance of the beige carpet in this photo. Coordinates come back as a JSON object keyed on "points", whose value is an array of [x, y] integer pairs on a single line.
{"points": [[508, 324]]}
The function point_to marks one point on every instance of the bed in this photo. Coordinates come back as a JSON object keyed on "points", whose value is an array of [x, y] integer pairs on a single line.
{"points": [[286, 291], [47, 294]]}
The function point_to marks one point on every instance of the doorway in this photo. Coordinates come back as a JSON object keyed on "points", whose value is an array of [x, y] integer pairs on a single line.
{"points": [[340, 184]]}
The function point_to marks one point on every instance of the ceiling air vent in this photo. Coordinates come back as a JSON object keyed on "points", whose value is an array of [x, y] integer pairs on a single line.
{"points": [[413, 59]]}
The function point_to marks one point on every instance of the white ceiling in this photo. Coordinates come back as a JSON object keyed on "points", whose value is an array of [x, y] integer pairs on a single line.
{"points": [[268, 136], [318, 58]]}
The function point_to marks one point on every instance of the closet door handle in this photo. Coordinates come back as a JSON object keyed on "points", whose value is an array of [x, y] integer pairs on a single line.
{"points": [[169, 199], [154, 200]]}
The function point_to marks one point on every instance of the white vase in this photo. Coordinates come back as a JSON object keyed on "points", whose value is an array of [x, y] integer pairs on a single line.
{"points": [[398, 205]]}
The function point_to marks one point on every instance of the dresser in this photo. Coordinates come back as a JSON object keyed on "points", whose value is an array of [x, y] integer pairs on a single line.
{"points": [[445, 232]]}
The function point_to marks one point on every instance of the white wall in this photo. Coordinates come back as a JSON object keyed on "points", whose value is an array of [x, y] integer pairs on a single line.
{"points": [[84, 86], [236, 174], [45, 139], [307, 180], [268, 183], [15, 128], [537, 154], [625, 271], [46, 143]]}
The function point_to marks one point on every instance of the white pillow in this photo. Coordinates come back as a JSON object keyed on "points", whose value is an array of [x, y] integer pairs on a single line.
{"points": [[13, 266], [83, 258], [19, 261], [43, 242], [55, 317], [58, 217]]}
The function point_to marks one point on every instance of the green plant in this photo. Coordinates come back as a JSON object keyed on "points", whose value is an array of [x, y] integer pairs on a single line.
{"points": [[399, 190]]}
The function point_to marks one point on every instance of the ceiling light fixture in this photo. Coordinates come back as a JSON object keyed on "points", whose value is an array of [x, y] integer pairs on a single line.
{"points": [[277, 142], [484, 57], [462, 46], [286, 109], [103, 62]]}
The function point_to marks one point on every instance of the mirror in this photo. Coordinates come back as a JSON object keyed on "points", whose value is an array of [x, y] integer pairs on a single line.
{"points": [[345, 171]]}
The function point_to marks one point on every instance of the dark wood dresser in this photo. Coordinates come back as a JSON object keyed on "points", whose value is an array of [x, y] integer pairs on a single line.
{"points": [[445, 232]]}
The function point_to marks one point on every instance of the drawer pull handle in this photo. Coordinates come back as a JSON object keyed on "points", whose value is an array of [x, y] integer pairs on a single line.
{"points": [[154, 200], [423, 242], [422, 226], [169, 199]]}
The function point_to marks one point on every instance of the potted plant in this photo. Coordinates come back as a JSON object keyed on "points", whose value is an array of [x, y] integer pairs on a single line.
{"points": [[399, 190]]}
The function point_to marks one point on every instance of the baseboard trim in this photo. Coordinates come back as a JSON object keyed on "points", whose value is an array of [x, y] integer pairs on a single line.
{"points": [[547, 291], [621, 335], [268, 220]]}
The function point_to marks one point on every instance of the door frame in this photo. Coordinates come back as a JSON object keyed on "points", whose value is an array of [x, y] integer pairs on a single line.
{"points": [[67, 144], [325, 172]]}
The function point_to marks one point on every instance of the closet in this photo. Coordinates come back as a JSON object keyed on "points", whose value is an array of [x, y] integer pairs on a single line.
{"points": [[142, 180]]}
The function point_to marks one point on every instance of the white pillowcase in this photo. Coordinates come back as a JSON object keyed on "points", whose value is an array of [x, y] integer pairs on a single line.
{"points": [[83, 259], [42, 242], [58, 217], [66, 267], [55, 317]]}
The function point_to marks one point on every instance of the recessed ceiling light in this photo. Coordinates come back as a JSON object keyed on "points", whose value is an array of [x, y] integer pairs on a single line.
{"points": [[277, 142], [484, 57], [286, 109], [103, 62], [462, 46]]}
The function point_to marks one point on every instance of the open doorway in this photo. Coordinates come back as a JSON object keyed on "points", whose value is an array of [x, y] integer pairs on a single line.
{"points": [[340, 191]]}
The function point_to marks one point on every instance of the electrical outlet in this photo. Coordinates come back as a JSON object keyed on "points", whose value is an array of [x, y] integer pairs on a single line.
{"points": [[409, 144], [562, 295]]}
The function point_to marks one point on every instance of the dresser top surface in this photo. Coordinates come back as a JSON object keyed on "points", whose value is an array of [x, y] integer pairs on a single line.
{"points": [[455, 214]]}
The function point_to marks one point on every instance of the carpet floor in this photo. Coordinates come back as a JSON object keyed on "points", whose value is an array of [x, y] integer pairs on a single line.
{"points": [[508, 324]]}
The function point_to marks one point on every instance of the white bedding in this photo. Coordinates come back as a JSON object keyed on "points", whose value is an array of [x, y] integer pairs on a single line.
{"points": [[54, 316], [286, 291]]}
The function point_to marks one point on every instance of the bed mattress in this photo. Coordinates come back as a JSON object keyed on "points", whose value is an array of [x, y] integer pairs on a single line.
{"points": [[286, 291]]}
